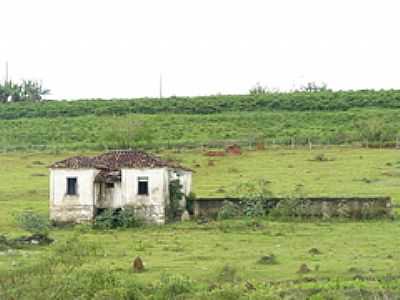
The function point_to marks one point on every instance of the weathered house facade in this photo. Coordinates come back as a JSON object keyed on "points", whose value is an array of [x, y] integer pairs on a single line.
{"points": [[81, 186]]}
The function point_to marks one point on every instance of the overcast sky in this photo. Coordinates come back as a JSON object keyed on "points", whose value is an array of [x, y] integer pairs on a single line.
{"points": [[118, 48]]}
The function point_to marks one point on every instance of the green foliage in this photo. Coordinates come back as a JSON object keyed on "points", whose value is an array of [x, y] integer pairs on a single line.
{"points": [[175, 196], [314, 98], [229, 210], [226, 274], [376, 130], [27, 90], [290, 206], [313, 87], [258, 89], [192, 131], [316, 114], [117, 218], [57, 276], [254, 200], [33, 222], [190, 202], [172, 287], [254, 207], [129, 135], [287, 208], [254, 197], [74, 251]]}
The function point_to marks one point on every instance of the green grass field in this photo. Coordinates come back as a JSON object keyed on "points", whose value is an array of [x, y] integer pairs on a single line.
{"points": [[366, 249], [348, 172]]}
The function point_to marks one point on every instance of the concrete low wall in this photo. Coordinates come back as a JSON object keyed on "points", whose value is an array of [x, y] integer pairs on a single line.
{"points": [[352, 207], [72, 213]]}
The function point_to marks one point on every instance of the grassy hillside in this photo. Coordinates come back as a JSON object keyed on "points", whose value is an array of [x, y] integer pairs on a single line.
{"points": [[369, 117], [378, 126]]}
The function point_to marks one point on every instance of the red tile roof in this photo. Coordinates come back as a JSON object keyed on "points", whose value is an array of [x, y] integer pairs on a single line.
{"points": [[116, 160]]}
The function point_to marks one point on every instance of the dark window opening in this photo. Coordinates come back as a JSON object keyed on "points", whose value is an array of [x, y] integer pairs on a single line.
{"points": [[110, 185], [143, 186], [71, 186]]}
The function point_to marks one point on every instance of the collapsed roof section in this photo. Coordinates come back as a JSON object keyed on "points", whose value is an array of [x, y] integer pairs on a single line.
{"points": [[117, 160]]}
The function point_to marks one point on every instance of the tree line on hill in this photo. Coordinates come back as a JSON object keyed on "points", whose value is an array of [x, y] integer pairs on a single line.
{"points": [[272, 101], [21, 101], [27, 90]]}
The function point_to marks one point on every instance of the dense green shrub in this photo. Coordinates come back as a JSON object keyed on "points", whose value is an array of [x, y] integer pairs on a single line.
{"points": [[174, 209], [117, 218], [190, 202], [33, 222], [254, 207], [229, 210], [254, 197]]}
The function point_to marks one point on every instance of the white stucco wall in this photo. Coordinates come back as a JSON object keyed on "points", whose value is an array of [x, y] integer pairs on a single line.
{"points": [[186, 181], [153, 205], [72, 208]]}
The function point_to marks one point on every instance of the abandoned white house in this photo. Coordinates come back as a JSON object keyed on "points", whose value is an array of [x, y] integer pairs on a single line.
{"points": [[81, 186]]}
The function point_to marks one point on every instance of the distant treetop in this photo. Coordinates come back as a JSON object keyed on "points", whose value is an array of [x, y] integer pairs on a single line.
{"points": [[27, 90]]}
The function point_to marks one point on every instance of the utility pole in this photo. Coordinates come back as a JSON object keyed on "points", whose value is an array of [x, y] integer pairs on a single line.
{"points": [[6, 75], [160, 86]]}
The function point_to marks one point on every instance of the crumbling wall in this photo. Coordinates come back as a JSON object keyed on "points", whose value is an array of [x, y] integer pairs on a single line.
{"points": [[324, 207], [72, 213], [150, 213], [152, 206]]}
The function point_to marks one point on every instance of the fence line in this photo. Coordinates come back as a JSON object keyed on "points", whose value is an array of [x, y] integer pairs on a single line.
{"points": [[249, 143]]}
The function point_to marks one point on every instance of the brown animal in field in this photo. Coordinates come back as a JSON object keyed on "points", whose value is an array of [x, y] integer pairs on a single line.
{"points": [[138, 265]]}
